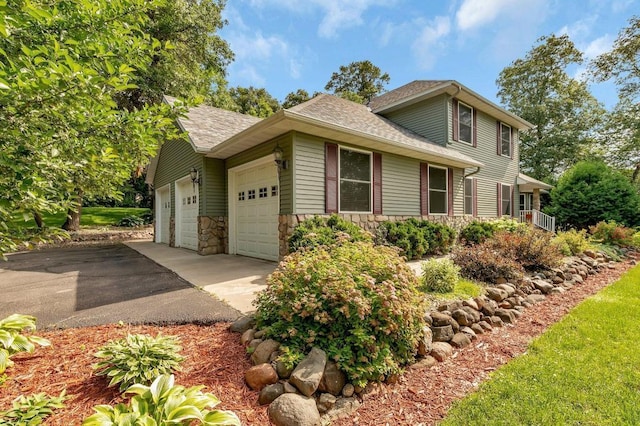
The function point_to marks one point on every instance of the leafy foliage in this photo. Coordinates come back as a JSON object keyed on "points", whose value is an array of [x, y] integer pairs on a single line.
{"points": [[356, 301], [359, 81], [31, 410], [439, 275], [12, 341], [138, 359], [295, 98], [253, 101], [417, 238], [482, 263], [572, 242], [477, 232], [163, 403], [611, 233], [591, 192], [132, 221], [534, 249], [319, 230]]}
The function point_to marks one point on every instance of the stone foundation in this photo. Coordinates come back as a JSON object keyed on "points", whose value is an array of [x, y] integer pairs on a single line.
{"points": [[172, 232], [212, 235], [369, 222]]}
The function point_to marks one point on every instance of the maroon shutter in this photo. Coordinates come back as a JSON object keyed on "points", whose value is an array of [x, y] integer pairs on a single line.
{"points": [[475, 197], [513, 193], [331, 178], [424, 189], [450, 211], [454, 107], [475, 128], [377, 183], [499, 139], [499, 185], [514, 133]]}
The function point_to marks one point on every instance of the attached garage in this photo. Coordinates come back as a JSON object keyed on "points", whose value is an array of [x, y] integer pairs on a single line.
{"points": [[163, 214], [187, 210], [254, 201]]}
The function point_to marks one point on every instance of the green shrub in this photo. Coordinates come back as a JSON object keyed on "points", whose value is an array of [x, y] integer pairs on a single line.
{"points": [[477, 232], [635, 240], [439, 276], [612, 233], [356, 301], [482, 263], [31, 410], [510, 225], [163, 403], [418, 238], [534, 250], [13, 342], [323, 231], [131, 221], [572, 242], [138, 359]]}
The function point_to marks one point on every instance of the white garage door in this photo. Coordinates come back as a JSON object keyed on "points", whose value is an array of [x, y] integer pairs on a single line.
{"points": [[163, 215], [187, 214], [257, 207]]}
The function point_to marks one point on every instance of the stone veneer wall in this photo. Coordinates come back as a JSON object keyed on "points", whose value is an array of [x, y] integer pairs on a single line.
{"points": [[369, 222], [172, 232], [212, 235]]}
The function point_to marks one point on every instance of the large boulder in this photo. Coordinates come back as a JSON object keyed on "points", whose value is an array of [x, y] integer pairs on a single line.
{"points": [[263, 351], [269, 393], [441, 351], [243, 324], [308, 374], [292, 409], [259, 376], [442, 334], [333, 379]]}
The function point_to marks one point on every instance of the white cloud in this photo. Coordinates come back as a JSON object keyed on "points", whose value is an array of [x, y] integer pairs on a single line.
{"points": [[429, 42], [294, 68], [598, 46], [579, 29], [476, 13], [619, 6], [249, 74]]}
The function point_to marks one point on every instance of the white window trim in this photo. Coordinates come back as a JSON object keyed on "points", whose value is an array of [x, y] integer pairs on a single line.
{"points": [[446, 191], [510, 141], [473, 111], [159, 207], [502, 187], [464, 200], [348, 148]]}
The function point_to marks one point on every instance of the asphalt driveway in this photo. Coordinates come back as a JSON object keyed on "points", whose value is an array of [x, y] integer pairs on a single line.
{"points": [[93, 285]]}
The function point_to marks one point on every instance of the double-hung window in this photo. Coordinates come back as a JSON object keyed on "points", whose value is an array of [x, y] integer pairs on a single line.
{"points": [[506, 200], [465, 123], [505, 140], [355, 181], [468, 196], [437, 190]]}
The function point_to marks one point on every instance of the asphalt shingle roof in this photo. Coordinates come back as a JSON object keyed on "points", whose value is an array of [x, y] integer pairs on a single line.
{"points": [[402, 92]]}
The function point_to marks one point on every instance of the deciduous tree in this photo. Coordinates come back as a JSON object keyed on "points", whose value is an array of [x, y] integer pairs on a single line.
{"points": [[295, 98], [359, 81], [254, 101]]}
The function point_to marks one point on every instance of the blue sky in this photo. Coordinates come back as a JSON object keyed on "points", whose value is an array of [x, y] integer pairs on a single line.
{"points": [[284, 45]]}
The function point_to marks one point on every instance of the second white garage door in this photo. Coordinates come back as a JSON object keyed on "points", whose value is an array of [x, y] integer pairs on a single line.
{"points": [[256, 211], [187, 214]]}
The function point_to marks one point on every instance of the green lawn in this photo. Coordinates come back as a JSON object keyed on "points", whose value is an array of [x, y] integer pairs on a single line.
{"points": [[91, 216], [585, 370]]}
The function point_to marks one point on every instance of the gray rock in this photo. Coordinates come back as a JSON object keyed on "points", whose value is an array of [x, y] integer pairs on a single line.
{"points": [[440, 319], [441, 351], [475, 315], [344, 408], [509, 288], [558, 290], [543, 286], [577, 278], [485, 325], [263, 351], [460, 340], [506, 315], [490, 307], [442, 334], [259, 376], [325, 402], [260, 334], [247, 336], [243, 324], [254, 344], [424, 344], [477, 328], [292, 409], [428, 320], [289, 388], [469, 332], [348, 390], [269, 393], [496, 321], [496, 294], [471, 303], [426, 362], [333, 379], [283, 371], [462, 318], [307, 375]]}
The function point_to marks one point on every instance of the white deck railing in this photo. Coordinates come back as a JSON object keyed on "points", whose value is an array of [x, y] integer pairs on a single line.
{"points": [[539, 219]]}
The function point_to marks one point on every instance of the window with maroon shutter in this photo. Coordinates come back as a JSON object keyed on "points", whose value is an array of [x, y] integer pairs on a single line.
{"points": [[450, 211], [454, 119], [469, 196], [475, 130], [475, 197], [331, 178], [506, 196], [505, 142], [424, 189], [465, 123], [377, 183], [499, 199], [438, 194]]}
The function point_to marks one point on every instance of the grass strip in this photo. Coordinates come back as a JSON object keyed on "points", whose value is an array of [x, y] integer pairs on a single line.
{"points": [[91, 216], [584, 370]]}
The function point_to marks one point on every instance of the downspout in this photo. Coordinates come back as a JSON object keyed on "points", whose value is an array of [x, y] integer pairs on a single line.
{"points": [[472, 173]]}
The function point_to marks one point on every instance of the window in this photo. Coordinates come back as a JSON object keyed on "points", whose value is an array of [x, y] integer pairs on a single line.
{"points": [[251, 195], [437, 190], [262, 192], [526, 200], [505, 140], [355, 181], [468, 196], [506, 200], [241, 196], [465, 123], [274, 191]]}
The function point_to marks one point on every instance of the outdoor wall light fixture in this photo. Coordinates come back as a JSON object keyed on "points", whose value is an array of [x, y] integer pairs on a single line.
{"points": [[195, 176], [277, 157]]}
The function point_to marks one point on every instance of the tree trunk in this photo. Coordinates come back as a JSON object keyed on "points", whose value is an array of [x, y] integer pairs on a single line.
{"points": [[37, 217], [73, 216]]}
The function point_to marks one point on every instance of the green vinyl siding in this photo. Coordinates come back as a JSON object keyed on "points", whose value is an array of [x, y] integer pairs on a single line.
{"points": [[496, 167], [308, 174], [177, 157], [214, 183], [458, 192], [427, 118], [286, 176], [400, 186]]}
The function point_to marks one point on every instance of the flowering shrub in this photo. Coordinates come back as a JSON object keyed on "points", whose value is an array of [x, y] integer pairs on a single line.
{"points": [[439, 276], [318, 231], [483, 263], [477, 232], [612, 233], [356, 301], [510, 225], [534, 249], [417, 238], [572, 242]]}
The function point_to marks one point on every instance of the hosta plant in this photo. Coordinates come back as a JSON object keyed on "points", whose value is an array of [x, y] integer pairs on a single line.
{"points": [[163, 403], [12, 340], [31, 410], [138, 359]]}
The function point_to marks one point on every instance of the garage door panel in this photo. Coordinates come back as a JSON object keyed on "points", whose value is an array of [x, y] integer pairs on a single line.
{"points": [[163, 216], [189, 209]]}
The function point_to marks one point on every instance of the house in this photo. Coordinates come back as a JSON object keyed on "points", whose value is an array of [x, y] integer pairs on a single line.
{"points": [[430, 149]]}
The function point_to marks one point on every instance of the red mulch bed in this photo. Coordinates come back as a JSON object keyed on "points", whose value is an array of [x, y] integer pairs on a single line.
{"points": [[215, 358]]}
